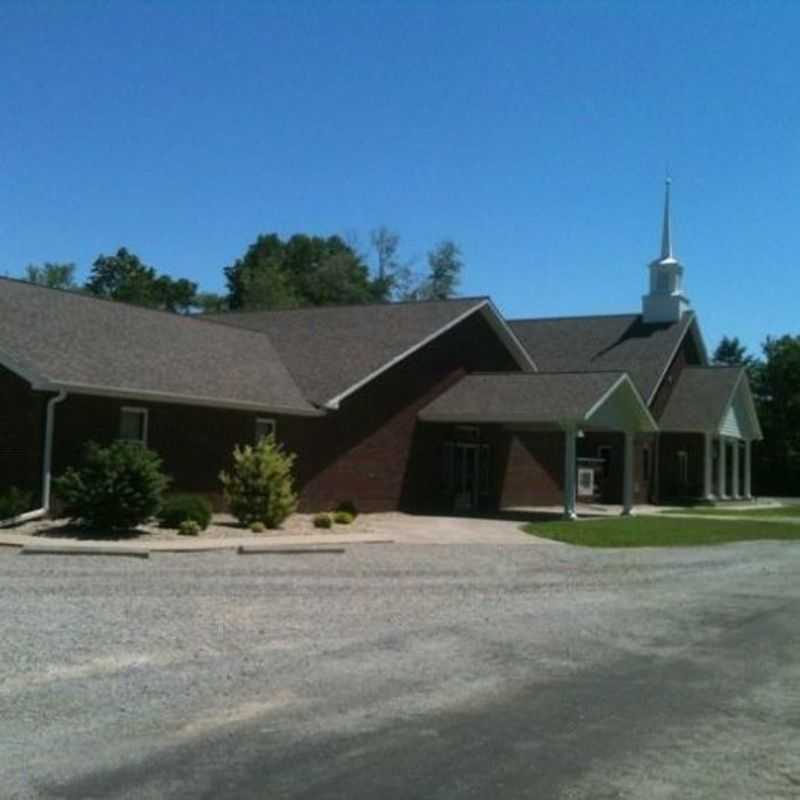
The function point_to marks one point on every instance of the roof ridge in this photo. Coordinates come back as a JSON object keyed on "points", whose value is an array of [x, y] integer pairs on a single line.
{"points": [[330, 306], [554, 372], [574, 316]]}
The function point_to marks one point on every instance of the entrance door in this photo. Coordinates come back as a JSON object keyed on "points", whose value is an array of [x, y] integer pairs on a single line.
{"points": [[466, 475]]}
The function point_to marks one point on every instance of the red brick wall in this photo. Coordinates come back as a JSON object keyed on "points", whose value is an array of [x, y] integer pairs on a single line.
{"points": [[671, 487], [21, 435], [533, 469]]}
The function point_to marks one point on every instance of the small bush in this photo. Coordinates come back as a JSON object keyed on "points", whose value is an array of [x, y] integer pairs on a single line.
{"points": [[189, 527], [257, 527], [343, 518], [349, 507], [260, 487], [179, 508], [14, 502], [322, 521], [116, 487]]}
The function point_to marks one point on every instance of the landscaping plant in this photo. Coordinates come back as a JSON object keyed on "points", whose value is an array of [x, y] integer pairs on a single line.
{"points": [[343, 517], [189, 527], [116, 487], [178, 508], [322, 521], [13, 502], [260, 487]]}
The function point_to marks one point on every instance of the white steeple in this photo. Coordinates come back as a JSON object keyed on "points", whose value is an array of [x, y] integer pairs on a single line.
{"points": [[666, 301]]}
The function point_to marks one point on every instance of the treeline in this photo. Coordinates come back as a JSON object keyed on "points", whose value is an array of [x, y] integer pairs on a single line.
{"points": [[775, 379], [273, 273]]}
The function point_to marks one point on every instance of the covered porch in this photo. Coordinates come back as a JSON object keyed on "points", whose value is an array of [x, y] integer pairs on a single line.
{"points": [[555, 413], [715, 406]]}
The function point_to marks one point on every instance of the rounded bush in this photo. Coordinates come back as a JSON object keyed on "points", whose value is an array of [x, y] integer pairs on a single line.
{"points": [[257, 527], [260, 487], [349, 507], [343, 518], [13, 502], [178, 508], [116, 487], [322, 521], [189, 527]]}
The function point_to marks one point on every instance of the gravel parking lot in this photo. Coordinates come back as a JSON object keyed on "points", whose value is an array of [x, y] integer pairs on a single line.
{"points": [[436, 671]]}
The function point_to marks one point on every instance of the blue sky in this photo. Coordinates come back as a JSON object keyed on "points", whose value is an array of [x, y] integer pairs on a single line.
{"points": [[536, 135]]}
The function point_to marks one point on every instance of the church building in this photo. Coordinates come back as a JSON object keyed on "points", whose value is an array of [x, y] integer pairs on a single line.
{"points": [[441, 406]]}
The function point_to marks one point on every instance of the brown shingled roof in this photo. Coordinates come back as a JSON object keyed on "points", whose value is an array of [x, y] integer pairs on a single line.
{"points": [[617, 342], [60, 339], [700, 398]]}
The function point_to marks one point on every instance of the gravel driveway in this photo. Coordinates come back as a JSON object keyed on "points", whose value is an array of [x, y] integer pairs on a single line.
{"points": [[397, 671]]}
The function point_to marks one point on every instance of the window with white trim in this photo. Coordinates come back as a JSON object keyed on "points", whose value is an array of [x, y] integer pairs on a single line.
{"points": [[683, 466], [264, 427], [133, 424]]}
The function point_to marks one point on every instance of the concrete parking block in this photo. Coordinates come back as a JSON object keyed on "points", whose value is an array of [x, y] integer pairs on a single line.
{"points": [[82, 550], [265, 549]]}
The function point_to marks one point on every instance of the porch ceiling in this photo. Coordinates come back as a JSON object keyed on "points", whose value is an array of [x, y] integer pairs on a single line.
{"points": [[606, 400]]}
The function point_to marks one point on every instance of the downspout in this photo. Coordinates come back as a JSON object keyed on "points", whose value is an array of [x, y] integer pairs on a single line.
{"points": [[47, 458]]}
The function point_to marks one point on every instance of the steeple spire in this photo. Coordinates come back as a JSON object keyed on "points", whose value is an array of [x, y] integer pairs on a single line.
{"points": [[665, 301], [666, 232]]}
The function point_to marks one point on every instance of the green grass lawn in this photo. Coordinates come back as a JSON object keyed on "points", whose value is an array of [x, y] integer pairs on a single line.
{"points": [[755, 511], [652, 531]]}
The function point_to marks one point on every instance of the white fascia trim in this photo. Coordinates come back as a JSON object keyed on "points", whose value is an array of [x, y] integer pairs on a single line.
{"points": [[180, 399], [751, 406], [503, 329], [623, 379], [333, 403], [691, 318]]}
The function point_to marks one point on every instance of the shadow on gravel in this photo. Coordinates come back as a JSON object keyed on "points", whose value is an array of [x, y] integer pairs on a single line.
{"points": [[77, 532]]}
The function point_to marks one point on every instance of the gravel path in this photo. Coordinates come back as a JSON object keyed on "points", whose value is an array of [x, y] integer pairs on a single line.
{"points": [[473, 670]]}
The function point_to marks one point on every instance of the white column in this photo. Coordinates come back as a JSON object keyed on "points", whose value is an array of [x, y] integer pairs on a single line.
{"points": [[721, 494], [570, 473], [735, 476], [708, 480], [748, 487], [627, 476]]}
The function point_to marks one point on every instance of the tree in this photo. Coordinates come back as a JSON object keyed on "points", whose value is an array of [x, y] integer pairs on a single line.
{"points": [[125, 278], [445, 266], [304, 270], [776, 382], [52, 274], [395, 278], [210, 302], [731, 352]]}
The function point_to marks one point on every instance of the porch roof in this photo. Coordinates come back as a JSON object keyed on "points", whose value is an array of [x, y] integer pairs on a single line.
{"points": [[606, 400], [714, 400]]}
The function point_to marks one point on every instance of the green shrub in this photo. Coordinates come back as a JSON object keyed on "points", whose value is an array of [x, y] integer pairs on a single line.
{"points": [[322, 521], [189, 527], [178, 508], [13, 502], [343, 517], [260, 487], [349, 507], [257, 527], [116, 487]]}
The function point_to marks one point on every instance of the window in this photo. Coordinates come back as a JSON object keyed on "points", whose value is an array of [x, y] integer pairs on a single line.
{"points": [[646, 464], [264, 427], [133, 425], [683, 466], [604, 453]]}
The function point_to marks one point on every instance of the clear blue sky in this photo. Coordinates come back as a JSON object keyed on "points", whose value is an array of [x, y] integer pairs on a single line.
{"points": [[536, 135]]}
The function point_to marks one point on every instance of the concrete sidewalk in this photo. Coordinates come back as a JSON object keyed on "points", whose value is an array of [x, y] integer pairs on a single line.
{"points": [[189, 545]]}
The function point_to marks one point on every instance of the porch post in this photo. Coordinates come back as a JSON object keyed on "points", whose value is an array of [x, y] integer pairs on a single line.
{"points": [[748, 465], [570, 470], [708, 482], [627, 478], [735, 477], [721, 493]]}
